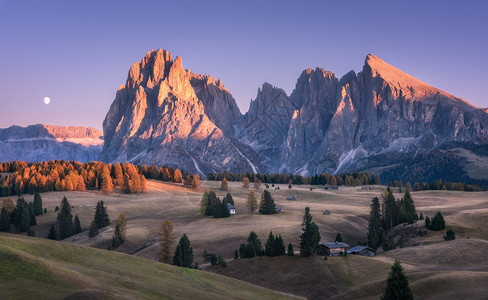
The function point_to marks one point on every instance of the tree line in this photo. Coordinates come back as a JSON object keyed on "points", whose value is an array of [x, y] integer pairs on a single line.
{"points": [[69, 176], [351, 179], [439, 184]]}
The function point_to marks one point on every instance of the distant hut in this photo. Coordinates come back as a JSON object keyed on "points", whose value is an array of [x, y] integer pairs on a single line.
{"points": [[326, 212], [333, 249], [362, 250], [232, 209], [277, 210], [291, 198]]}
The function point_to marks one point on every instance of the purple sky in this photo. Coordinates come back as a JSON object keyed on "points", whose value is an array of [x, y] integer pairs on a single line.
{"points": [[79, 52]]}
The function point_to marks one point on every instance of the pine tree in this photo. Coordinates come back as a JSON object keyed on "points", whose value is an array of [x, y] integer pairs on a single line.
{"points": [[65, 219], [391, 210], [76, 225], [203, 203], [224, 185], [178, 257], [310, 237], [4, 220], [438, 222], [184, 253], [228, 198], [32, 215], [267, 205], [119, 234], [101, 215], [254, 243], [213, 205], [252, 201], [25, 218], [290, 251], [427, 222], [93, 229], [165, 242], [224, 210], [279, 246], [37, 204], [421, 216], [242, 250], [375, 231], [338, 238], [52, 233], [269, 249], [397, 284], [236, 256], [410, 213]]}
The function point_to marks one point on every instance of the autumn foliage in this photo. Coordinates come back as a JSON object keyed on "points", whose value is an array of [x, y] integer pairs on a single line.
{"points": [[69, 176]]}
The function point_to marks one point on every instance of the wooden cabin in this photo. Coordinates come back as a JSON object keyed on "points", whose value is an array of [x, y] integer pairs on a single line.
{"points": [[333, 249], [362, 250]]}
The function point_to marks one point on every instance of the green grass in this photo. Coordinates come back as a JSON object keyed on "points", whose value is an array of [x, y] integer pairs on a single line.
{"points": [[32, 268]]}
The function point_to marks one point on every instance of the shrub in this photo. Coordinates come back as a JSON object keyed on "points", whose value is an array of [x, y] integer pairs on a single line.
{"points": [[450, 235]]}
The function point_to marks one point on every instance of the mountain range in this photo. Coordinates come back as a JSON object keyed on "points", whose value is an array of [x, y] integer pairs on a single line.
{"points": [[47, 142], [167, 115], [381, 120]]}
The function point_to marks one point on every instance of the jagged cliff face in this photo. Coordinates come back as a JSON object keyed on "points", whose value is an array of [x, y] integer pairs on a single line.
{"points": [[47, 142], [266, 124], [167, 115]]}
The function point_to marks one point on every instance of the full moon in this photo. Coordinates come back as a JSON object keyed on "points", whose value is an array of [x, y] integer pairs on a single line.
{"points": [[47, 100]]}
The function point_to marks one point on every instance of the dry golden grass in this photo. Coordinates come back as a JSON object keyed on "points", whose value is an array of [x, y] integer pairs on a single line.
{"points": [[356, 276]]}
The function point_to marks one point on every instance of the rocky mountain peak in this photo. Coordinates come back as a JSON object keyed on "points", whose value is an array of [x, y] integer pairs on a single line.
{"points": [[168, 115]]}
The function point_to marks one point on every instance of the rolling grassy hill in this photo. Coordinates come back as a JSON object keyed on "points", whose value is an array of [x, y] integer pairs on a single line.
{"points": [[33, 268]]}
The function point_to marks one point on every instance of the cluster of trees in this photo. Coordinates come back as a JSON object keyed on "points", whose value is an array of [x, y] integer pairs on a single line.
{"points": [[388, 215], [22, 214], [211, 205], [100, 220], [214, 259], [351, 179], [69, 176], [309, 242], [252, 248], [162, 173], [192, 181], [64, 226], [439, 184], [266, 206], [436, 223], [274, 245]]}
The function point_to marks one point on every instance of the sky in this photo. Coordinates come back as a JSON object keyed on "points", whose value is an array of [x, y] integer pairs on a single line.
{"points": [[79, 52]]}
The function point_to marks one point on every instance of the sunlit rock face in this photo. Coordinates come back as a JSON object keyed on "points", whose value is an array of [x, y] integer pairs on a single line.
{"points": [[47, 142], [343, 125], [166, 115]]}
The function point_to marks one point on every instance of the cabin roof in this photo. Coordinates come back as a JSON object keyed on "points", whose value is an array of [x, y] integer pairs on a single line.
{"points": [[335, 245], [359, 248]]}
